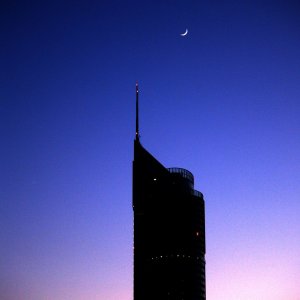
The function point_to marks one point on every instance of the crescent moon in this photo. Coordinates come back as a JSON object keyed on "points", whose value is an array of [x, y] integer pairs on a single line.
{"points": [[184, 34]]}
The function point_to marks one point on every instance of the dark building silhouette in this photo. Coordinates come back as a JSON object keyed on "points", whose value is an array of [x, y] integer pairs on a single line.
{"points": [[169, 230]]}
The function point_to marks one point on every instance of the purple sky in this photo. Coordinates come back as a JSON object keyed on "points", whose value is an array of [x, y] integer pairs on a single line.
{"points": [[222, 102]]}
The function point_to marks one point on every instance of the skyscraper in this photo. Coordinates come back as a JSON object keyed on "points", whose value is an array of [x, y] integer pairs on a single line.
{"points": [[169, 229]]}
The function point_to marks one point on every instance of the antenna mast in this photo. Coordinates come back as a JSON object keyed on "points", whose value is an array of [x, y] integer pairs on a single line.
{"points": [[137, 133]]}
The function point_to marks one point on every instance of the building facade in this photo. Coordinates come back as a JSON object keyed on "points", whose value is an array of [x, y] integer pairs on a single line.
{"points": [[169, 230]]}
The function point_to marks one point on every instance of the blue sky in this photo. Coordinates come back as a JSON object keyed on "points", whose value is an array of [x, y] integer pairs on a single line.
{"points": [[222, 102]]}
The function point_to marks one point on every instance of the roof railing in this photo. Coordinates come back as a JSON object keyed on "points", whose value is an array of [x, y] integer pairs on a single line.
{"points": [[198, 194], [183, 172]]}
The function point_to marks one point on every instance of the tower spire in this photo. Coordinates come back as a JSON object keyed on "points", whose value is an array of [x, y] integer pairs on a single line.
{"points": [[137, 133]]}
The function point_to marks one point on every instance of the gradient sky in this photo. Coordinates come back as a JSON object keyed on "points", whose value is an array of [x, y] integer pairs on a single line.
{"points": [[222, 102]]}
